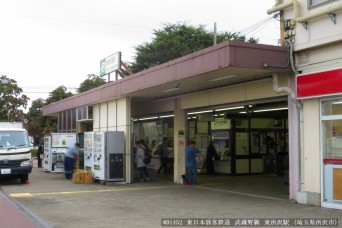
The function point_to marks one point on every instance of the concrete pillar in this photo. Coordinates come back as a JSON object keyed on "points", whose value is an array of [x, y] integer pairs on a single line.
{"points": [[294, 143], [179, 140], [129, 156], [123, 123]]}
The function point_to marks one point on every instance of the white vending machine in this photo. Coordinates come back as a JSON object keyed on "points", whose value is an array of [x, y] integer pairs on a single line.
{"points": [[88, 151], [55, 148], [108, 156]]}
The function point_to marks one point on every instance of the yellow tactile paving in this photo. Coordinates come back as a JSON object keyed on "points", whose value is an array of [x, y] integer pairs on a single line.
{"points": [[19, 195]]}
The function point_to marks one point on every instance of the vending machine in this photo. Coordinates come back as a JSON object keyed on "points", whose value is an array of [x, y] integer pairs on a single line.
{"points": [[88, 151], [108, 148], [55, 148]]}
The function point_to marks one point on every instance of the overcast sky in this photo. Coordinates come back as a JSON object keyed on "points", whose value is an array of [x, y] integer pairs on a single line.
{"points": [[48, 43]]}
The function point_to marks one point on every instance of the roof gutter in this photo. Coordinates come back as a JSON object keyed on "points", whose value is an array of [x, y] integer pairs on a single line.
{"points": [[286, 5]]}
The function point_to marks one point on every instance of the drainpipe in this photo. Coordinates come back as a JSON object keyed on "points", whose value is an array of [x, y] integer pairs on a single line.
{"points": [[297, 169], [319, 13], [285, 5], [284, 89]]}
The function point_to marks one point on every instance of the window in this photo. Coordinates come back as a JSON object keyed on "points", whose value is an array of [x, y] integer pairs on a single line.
{"points": [[84, 113], [313, 3], [13, 139], [332, 129]]}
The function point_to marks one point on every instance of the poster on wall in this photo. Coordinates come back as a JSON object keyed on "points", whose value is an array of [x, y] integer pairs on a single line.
{"points": [[63, 140], [220, 124]]}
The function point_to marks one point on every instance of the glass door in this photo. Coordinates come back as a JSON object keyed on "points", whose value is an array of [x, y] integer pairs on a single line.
{"points": [[332, 153]]}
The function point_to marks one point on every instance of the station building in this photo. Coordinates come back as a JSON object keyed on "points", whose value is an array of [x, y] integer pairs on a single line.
{"points": [[269, 109], [233, 93]]}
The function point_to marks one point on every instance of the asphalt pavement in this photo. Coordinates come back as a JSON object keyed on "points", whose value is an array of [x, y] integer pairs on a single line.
{"points": [[59, 203]]}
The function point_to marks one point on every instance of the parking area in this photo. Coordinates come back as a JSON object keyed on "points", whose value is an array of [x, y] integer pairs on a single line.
{"points": [[63, 204]]}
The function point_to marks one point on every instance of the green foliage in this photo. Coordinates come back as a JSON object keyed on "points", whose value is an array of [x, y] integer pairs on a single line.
{"points": [[12, 102], [176, 40], [58, 94], [38, 125], [34, 152], [91, 82]]}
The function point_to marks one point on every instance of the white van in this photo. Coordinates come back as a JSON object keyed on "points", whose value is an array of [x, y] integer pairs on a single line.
{"points": [[15, 152]]}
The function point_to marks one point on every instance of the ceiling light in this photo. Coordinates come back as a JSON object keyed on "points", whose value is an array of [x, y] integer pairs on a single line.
{"points": [[223, 78], [166, 116], [242, 112], [170, 90], [191, 113], [149, 118], [272, 109], [337, 102], [224, 109]]}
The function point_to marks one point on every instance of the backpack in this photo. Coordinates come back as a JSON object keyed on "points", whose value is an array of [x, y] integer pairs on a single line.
{"points": [[147, 156]]}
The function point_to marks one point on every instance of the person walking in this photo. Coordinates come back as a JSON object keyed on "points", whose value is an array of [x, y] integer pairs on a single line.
{"points": [[139, 160], [69, 160], [39, 154], [211, 156], [163, 152], [191, 169]]}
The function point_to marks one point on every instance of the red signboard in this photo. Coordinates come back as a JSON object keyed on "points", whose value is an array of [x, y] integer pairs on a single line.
{"points": [[320, 83], [332, 161]]}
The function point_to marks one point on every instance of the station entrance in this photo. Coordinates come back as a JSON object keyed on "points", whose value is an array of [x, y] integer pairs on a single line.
{"points": [[250, 141]]}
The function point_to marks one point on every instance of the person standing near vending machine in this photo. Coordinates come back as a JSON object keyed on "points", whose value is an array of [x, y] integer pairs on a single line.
{"points": [[69, 160], [40, 155]]}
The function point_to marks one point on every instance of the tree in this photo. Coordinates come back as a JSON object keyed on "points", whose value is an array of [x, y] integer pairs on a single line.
{"points": [[37, 125], [176, 40], [50, 123], [12, 102], [58, 94], [91, 82]]}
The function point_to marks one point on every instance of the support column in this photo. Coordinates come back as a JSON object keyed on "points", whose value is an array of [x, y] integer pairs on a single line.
{"points": [[179, 141], [117, 117], [125, 104], [294, 143]]}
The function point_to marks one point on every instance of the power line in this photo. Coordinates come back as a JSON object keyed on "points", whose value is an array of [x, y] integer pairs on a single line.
{"points": [[260, 24]]}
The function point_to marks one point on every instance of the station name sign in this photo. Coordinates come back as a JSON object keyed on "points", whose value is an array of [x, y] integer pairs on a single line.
{"points": [[110, 64]]}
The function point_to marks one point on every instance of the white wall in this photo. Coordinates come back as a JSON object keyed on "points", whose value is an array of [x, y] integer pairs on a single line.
{"points": [[241, 93], [310, 160], [115, 115]]}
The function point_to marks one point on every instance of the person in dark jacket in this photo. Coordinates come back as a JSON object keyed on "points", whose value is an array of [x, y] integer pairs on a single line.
{"points": [[163, 153], [211, 156], [40, 155]]}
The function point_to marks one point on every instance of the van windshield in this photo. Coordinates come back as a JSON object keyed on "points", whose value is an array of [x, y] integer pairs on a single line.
{"points": [[10, 139]]}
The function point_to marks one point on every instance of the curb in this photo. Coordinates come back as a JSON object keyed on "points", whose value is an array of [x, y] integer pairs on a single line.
{"points": [[35, 219]]}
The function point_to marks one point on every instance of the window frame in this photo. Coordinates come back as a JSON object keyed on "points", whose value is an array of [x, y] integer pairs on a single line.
{"points": [[310, 6]]}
